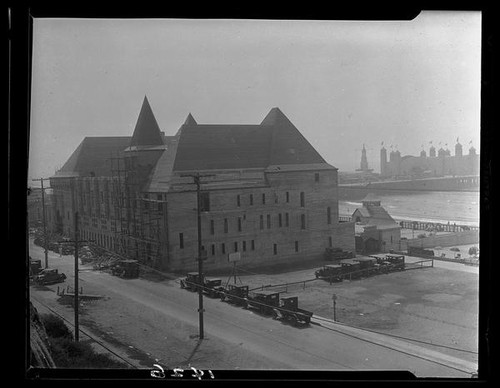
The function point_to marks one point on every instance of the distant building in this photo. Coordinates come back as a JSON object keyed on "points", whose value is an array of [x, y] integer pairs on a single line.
{"points": [[271, 196], [444, 164], [376, 230], [364, 162]]}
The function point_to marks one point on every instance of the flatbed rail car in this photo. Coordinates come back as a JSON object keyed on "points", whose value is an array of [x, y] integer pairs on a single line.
{"points": [[211, 286], [235, 294], [264, 302], [330, 272], [289, 311]]}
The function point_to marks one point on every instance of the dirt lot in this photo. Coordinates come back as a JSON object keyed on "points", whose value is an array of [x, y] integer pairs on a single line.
{"points": [[435, 305]]}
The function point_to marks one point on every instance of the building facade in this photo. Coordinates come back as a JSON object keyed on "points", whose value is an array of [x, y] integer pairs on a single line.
{"points": [[265, 192], [434, 165]]}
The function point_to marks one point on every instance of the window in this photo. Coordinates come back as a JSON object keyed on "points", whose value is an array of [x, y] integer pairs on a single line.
{"points": [[244, 246], [225, 225], [212, 227], [251, 199], [223, 248], [213, 249], [287, 197], [252, 244], [287, 219], [330, 241], [302, 199], [160, 204], [181, 240], [268, 221], [263, 198], [239, 224], [238, 200], [205, 202], [236, 246], [302, 221], [261, 221], [296, 246], [316, 177], [328, 215], [275, 249], [280, 220]]}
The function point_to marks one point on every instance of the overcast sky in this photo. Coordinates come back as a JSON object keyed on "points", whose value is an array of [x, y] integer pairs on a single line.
{"points": [[341, 83]]}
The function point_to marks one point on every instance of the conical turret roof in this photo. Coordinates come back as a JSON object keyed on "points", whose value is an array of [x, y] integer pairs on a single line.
{"points": [[146, 132]]}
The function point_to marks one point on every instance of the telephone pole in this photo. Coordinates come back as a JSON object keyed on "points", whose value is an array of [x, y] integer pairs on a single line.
{"points": [[45, 244], [76, 297], [197, 181]]}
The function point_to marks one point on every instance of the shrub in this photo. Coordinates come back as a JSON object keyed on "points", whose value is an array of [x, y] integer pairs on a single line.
{"points": [[421, 235], [55, 327], [473, 251]]}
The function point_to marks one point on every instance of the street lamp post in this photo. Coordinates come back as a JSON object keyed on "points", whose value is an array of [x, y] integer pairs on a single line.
{"points": [[44, 222]]}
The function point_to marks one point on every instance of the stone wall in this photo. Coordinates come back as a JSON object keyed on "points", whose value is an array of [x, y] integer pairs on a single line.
{"points": [[444, 240]]}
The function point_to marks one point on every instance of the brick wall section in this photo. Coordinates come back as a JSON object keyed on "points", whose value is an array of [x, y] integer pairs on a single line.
{"points": [[444, 240]]}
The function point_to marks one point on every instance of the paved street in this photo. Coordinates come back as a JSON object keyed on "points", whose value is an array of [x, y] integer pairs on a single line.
{"points": [[160, 320]]}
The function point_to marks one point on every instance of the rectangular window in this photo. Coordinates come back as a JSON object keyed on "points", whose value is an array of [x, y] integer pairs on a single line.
{"points": [[268, 221], [251, 199], [330, 241], [302, 221], [263, 198], [328, 215], [223, 248], [261, 221], [275, 249], [280, 220], [213, 249], [238, 200], [181, 240], [236, 246], [287, 197], [239, 224], [302, 199], [212, 227], [316, 177], [205, 202], [244, 246], [287, 219], [225, 225], [296, 246], [253, 245]]}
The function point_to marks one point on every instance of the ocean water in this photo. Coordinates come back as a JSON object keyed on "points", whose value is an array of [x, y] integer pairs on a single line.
{"points": [[461, 208]]}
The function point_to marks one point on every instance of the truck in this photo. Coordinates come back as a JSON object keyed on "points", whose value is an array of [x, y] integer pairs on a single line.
{"points": [[212, 287], [331, 272], [49, 276], [368, 265], [128, 269], [235, 294], [264, 302], [35, 267], [289, 311], [397, 262], [350, 269]]}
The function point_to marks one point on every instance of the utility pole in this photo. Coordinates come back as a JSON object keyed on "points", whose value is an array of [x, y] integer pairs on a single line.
{"points": [[197, 177], [76, 297], [44, 222], [334, 298]]}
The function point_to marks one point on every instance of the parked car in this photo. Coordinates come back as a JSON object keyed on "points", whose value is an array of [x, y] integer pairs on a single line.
{"points": [[49, 276]]}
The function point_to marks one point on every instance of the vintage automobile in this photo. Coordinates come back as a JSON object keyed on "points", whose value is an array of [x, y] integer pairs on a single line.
{"points": [[264, 302], [235, 294], [330, 272], [35, 267], [289, 311], [49, 276], [128, 269]]}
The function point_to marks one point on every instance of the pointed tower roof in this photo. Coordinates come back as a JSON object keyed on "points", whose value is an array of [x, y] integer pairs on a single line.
{"points": [[190, 120], [146, 132]]}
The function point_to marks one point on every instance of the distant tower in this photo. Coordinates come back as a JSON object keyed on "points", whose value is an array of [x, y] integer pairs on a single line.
{"points": [[364, 161], [458, 149], [423, 154], [383, 161], [441, 152], [472, 150], [432, 152]]}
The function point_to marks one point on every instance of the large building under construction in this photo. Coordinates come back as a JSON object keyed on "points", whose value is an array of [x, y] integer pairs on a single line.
{"points": [[266, 193]]}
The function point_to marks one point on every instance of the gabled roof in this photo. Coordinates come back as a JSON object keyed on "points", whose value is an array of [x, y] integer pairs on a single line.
{"points": [[93, 156], [274, 142], [146, 132]]}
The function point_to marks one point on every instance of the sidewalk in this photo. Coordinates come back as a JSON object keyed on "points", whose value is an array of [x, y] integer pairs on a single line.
{"points": [[396, 344]]}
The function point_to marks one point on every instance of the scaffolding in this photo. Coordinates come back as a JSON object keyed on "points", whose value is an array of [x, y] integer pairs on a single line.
{"points": [[138, 222]]}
